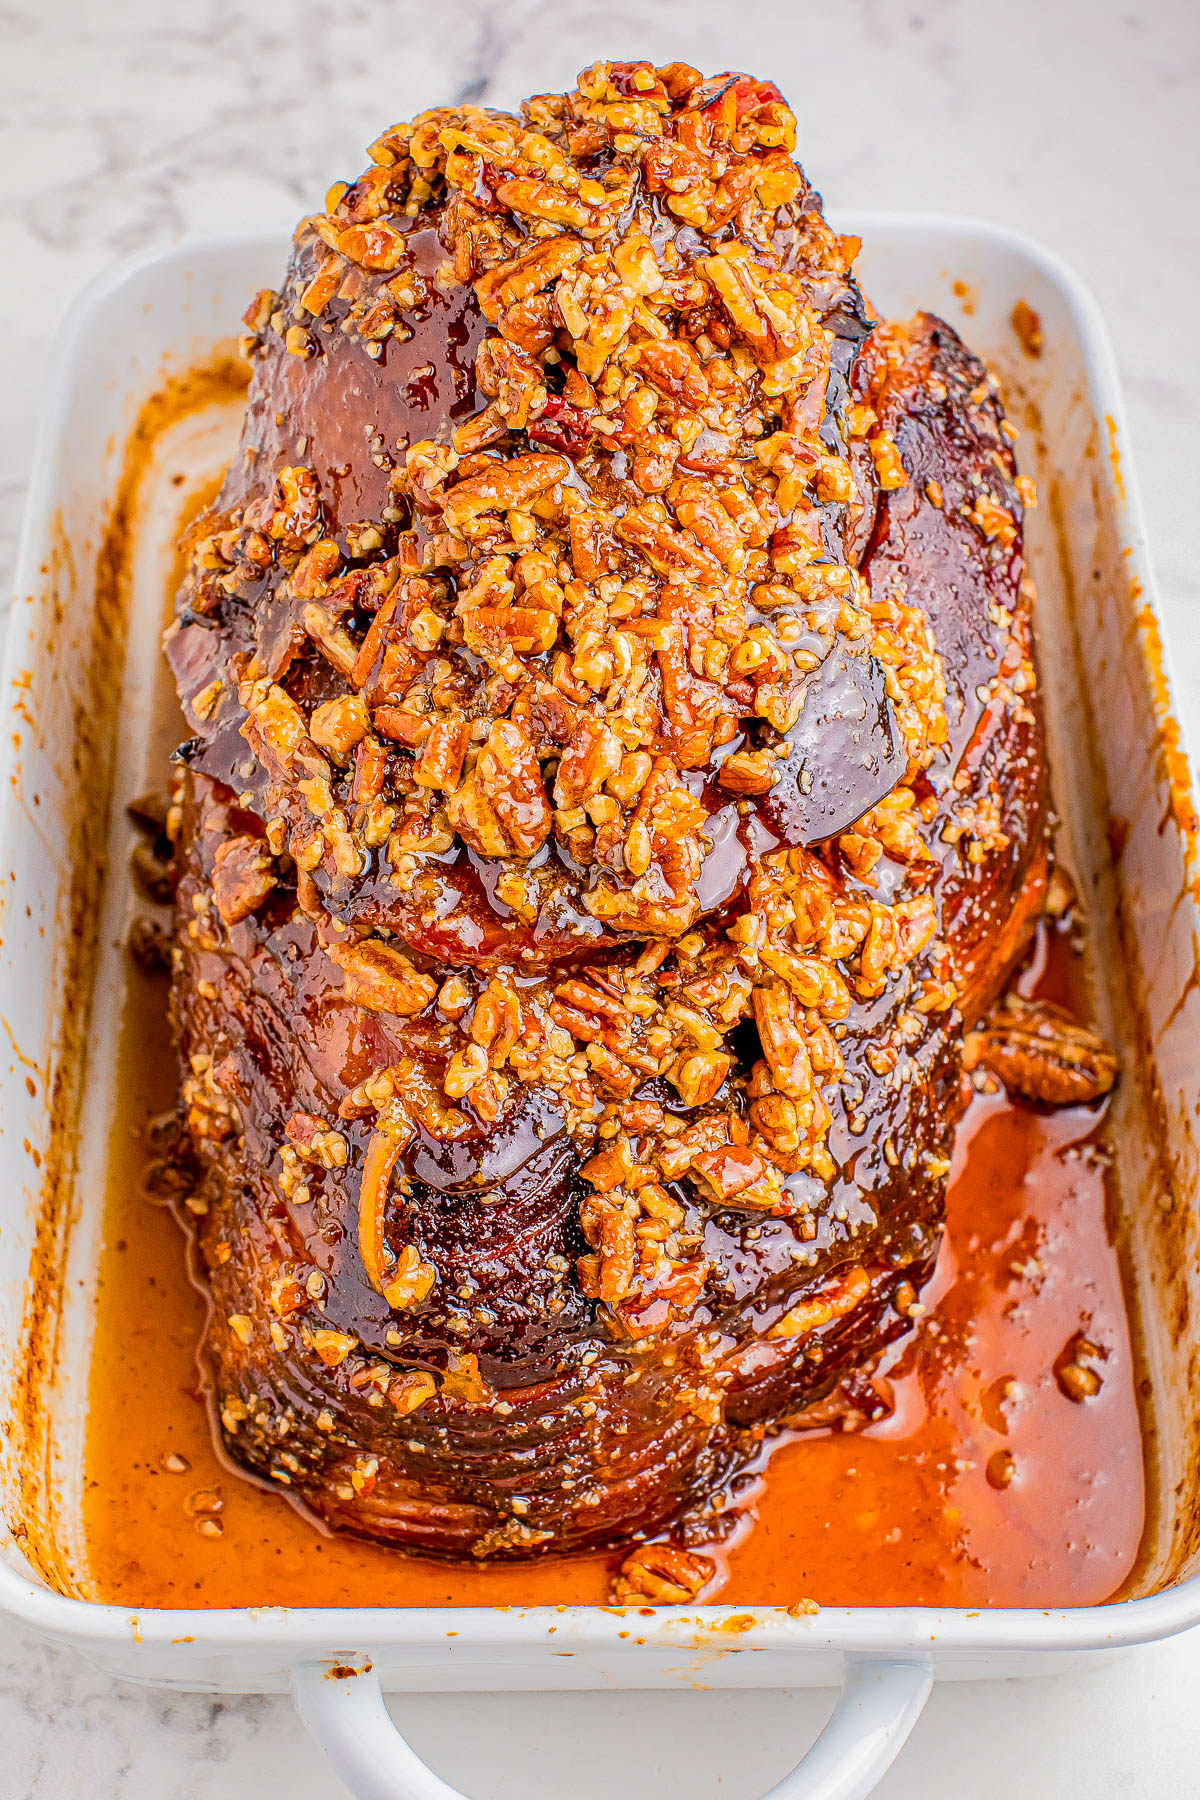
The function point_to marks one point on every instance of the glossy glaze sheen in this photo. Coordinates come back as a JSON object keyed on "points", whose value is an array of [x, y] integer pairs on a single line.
{"points": [[268, 1004]]}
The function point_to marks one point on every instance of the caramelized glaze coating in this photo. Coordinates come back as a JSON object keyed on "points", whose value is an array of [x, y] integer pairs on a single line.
{"points": [[617, 777]]}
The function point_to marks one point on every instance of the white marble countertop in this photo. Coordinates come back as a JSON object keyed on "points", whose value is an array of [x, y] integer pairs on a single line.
{"points": [[140, 122]]}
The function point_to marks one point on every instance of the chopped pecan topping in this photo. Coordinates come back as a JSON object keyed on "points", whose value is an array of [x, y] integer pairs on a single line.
{"points": [[340, 724], [333, 1347], [652, 460], [502, 485], [574, 659]]}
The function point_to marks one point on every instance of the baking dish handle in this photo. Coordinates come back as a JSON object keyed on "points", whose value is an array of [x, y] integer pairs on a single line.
{"points": [[880, 1702]]}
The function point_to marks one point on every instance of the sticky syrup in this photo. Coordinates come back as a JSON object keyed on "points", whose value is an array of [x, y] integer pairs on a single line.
{"points": [[987, 1486]]}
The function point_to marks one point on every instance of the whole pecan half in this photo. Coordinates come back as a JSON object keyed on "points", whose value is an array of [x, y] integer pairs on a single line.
{"points": [[662, 1574], [1040, 1052]]}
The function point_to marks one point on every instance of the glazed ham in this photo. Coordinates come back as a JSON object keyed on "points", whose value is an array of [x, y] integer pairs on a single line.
{"points": [[617, 783]]}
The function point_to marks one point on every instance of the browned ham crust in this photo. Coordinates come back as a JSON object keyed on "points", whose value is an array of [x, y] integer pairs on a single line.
{"points": [[617, 777]]}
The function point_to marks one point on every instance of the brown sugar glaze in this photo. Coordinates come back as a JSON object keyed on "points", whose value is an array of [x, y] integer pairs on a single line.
{"points": [[905, 1512]]}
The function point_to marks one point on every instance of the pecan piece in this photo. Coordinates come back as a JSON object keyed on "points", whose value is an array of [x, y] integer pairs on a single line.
{"points": [[381, 978], [510, 630], [243, 875], [782, 1041], [501, 808], [411, 1390], [340, 724], [592, 755], [700, 509], [848, 1289], [668, 551], [517, 483], [1076, 1368], [333, 1347], [674, 369], [512, 282], [593, 547], [316, 1142], [765, 310], [663, 853], [295, 508], [512, 379], [530, 324], [153, 873], [663, 1575], [149, 943], [726, 1172], [700, 1078], [750, 772], [1040, 1052], [440, 763], [375, 246], [542, 200], [276, 732]]}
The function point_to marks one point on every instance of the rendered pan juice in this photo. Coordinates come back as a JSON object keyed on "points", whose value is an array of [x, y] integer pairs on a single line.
{"points": [[989, 1484]]}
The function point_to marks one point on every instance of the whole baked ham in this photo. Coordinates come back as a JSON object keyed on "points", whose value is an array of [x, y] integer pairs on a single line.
{"points": [[617, 784]]}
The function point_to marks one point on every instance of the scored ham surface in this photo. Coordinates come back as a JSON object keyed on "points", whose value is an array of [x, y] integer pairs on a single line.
{"points": [[617, 782]]}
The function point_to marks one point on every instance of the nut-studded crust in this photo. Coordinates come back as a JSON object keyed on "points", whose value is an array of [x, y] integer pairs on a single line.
{"points": [[617, 765]]}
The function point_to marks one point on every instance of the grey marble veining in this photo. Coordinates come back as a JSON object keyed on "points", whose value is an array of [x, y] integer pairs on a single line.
{"points": [[133, 124]]}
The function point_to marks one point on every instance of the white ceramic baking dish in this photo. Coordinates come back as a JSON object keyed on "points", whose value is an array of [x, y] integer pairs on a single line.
{"points": [[73, 758]]}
